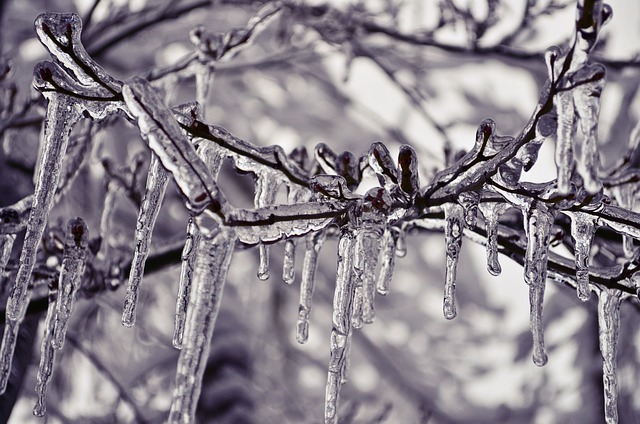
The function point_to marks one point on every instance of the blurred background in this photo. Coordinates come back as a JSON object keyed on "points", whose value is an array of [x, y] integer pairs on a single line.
{"points": [[320, 75]]}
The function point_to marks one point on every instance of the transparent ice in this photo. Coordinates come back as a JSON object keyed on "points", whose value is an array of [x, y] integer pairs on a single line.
{"points": [[564, 144], [213, 257], [313, 243], [386, 260], [491, 212], [454, 216], [8, 346], [186, 278], [609, 327], [582, 230], [265, 194], [73, 262], [157, 180], [47, 357]]}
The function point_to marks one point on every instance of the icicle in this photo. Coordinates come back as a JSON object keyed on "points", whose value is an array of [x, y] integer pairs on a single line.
{"points": [[265, 194], [157, 180], [60, 119], [314, 243], [6, 245], [186, 277], [289, 262], [213, 257], [609, 327], [108, 208], [213, 158], [47, 357], [538, 222], [625, 195], [8, 346], [386, 260], [582, 231], [564, 144], [454, 216], [586, 99], [73, 258], [469, 201], [401, 242], [342, 308], [491, 212]]}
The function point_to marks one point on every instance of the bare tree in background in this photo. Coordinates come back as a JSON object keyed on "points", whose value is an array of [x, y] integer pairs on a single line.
{"points": [[360, 128]]}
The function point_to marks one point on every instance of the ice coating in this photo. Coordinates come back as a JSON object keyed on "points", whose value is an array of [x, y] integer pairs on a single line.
{"points": [[6, 245], [609, 327], [162, 132], [14, 218], [381, 162], [157, 180], [313, 243], [265, 194], [582, 230], [491, 212], [408, 170], [469, 201], [538, 222], [73, 261], [8, 346], [454, 216], [625, 197], [387, 261], [564, 144], [59, 121], [213, 258], [342, 310], [186, 278], [47, 357]]}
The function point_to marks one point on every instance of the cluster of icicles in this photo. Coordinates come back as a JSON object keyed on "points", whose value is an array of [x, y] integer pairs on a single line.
{"points": [[320, 195]]}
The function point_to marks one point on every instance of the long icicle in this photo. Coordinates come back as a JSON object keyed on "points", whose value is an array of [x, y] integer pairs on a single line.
{"points": [[609, 327], [582, 231], [491, 212], [213, 158], [47, 358], [186, 279], [342, 310], [8, 346], [314, 243], [454, 216], [73, 259], [59, 121], [538, 222], [213, 258], [157, 180]]}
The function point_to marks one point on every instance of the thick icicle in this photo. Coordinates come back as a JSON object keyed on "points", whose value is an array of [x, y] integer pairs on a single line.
{"points": [[213, 158], [387, 261], [73, 259], [186, 278], [609, 327], [47, 357], [265, 194], [8, 346], [625, 195], [582, 231], [60, 119], [538, 223], [340, 334], [6, 244], [586, 99], [564, 144], [213, 257], [454, 216], [491, 212], [314, 243], [157, 180]]}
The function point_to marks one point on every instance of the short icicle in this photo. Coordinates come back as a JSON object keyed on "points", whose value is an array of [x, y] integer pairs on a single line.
{"points": [[491, 212], [47, 358], [314, 243], [454, 216], [59, 121], [6, 245], [582, 231], [157, 180], [387, 261], [538, 222], [186, 278], [265, 194], [341, 332], [564, 145], [609, 327], [73, 261], [213, 258]]}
